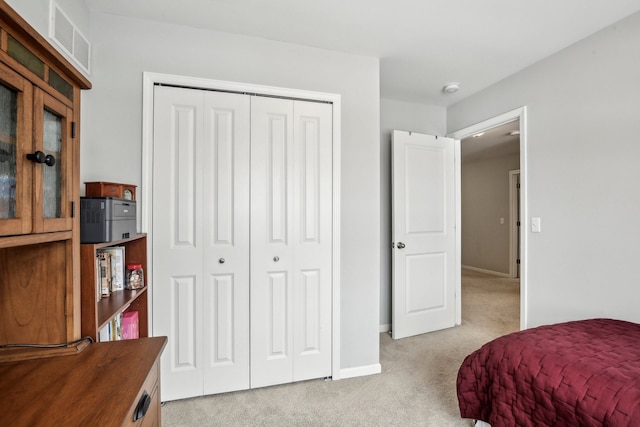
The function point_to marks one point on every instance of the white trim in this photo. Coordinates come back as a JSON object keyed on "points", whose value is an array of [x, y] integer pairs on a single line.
{"points": [[521, 114], [458, 203], [514, 175], [385, 328], [485, 271], [361, 371], [149, 80]]}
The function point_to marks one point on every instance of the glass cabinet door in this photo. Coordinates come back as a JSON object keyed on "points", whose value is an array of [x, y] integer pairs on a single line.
{"points": [[52, 121], [8, 137], [15, 141], [52, 175]]}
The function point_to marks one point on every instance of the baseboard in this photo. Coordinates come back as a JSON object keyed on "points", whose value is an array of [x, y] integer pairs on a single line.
{"points": [[482, 270], [385, 328], [360, 371]]}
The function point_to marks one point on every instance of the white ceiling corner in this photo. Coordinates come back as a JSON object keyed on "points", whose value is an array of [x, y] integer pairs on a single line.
{"points": [[422, 44]]}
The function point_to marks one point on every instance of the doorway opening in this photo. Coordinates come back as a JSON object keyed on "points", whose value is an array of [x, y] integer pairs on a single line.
{"points": [[513, 121]]}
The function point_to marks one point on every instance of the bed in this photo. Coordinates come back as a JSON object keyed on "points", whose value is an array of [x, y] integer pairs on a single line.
{"points": [[581, 373]]}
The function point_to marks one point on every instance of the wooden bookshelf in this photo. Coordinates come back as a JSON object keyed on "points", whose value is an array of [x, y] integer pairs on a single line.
{"points": [[96, 314]]}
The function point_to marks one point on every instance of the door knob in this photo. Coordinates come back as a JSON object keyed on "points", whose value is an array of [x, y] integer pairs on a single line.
{"points": [[221, 260], [400, 245], [276, 258]]}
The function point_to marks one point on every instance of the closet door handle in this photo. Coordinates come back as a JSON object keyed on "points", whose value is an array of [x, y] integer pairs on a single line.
{"points": [[400, 245], [276, 258], [221, 260]]}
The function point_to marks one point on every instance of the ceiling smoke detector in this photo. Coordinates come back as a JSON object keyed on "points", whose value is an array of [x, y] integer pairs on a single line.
{"points": [[451, 87]]}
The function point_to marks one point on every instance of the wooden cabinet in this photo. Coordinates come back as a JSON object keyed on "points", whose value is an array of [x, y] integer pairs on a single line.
{"points": [[38, 141], [39, 187], [96, 314], [101, 386]]}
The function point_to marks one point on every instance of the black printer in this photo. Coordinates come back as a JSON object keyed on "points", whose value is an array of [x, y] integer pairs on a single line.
{"points": [[106, 219]]}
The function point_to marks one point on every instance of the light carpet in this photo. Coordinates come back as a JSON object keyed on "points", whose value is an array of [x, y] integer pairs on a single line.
{"points": [[417, 386]]}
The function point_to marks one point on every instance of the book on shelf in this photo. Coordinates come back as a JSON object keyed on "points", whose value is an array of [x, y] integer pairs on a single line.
{"points": [[104, 334], [112, 331], [97, 279], [105, 274], [116, 256], [116, 327]]}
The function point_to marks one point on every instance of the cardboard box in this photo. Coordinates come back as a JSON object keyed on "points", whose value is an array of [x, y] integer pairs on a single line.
{"points": [[130, 325]]}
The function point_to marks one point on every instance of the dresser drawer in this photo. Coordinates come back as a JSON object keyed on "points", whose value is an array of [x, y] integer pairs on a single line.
{"points": [[150, 393]]}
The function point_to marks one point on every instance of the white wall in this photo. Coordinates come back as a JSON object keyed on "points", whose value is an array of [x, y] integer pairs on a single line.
{"points": [[583, 125], [124, 48], [485, 199], [398, 115]]}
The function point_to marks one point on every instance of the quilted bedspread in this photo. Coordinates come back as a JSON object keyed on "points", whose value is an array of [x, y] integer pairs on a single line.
{"points": [[581, 373]]}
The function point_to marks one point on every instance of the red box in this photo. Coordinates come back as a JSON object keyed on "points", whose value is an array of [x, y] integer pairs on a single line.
{"points": [[130, 325]]}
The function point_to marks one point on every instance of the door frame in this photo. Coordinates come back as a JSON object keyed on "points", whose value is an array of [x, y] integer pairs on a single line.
{"points": [[514, 217], [151, 79], [510, 116]]}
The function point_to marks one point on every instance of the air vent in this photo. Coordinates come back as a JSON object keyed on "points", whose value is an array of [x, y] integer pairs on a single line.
{"points": [[63, 31]]}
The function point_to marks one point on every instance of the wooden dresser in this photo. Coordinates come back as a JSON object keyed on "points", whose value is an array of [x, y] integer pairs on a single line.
{"points": [[101, 386]]}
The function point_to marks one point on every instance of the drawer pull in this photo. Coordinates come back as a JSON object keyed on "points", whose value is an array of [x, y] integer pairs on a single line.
{"points": [[142, 407]]}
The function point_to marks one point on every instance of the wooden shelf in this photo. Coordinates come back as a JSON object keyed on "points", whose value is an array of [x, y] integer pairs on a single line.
{"points": [[119, 301], [34, 239], [96, 314]]}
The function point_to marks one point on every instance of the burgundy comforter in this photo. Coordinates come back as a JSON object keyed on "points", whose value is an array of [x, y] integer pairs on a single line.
{"points": [[582, 373]]}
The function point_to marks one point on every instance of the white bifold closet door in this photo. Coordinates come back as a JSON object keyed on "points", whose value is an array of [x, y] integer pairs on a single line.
{"points": [[241, 240], [291, 187], [201, 240]]}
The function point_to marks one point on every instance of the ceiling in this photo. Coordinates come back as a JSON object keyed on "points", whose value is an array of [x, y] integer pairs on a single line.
{"points": [[422, 44], [494, 142]]}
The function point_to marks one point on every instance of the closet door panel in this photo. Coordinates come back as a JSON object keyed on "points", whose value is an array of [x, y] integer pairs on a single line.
{"points": [[278, 305], [312, 244], [225, 206], [271, 249], [177, 238]]}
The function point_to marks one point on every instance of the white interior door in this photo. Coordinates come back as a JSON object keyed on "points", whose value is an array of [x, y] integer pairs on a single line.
{"points": [[423, 231], [271, 241], [201, 240], [291, 187], [225, 206], [312, 231]]}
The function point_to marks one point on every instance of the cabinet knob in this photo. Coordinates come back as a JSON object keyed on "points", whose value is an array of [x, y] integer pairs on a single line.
{"points": [[49, 160], [38, 157]]}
